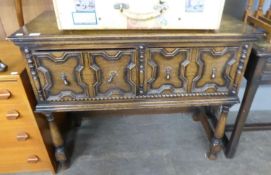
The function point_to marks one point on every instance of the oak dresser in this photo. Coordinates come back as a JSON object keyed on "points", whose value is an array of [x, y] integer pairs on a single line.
{"points": [[134, 69], [22, 148]]}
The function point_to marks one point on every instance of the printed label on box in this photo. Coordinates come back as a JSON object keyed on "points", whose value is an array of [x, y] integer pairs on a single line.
{"points": [[84, 5], [84, 18], [194, 5]]}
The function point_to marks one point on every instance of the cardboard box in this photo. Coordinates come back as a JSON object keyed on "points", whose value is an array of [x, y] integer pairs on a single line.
{"points": [[138, 14]]}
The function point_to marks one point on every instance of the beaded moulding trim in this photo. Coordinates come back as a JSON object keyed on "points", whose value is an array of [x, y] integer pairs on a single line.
{"points": [[146, 97]]}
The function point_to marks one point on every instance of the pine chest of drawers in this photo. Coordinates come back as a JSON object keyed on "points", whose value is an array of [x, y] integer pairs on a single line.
{"points": [[134, 69], [22, 148]]}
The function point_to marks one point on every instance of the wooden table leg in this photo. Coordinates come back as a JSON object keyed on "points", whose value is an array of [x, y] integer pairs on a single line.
{"points": [[216, 142], [240, 120], [253, 76], [57, 141]]}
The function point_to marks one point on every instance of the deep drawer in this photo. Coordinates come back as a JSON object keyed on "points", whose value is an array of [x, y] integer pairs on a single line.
{"points": [[111, 74], [86, 74], [191, 70]]}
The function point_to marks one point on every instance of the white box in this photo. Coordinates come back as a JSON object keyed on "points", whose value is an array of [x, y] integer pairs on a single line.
{"points": [[138, 14]]}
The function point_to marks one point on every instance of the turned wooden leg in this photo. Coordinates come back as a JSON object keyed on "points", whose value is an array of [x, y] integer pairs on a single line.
{"points": [[212, 111], [216, 142], [57, 141]]}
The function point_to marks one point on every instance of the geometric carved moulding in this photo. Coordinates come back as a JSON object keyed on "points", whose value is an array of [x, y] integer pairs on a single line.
{"points": [[115, 72], [167, 68], [214, 69], [60, 75]]}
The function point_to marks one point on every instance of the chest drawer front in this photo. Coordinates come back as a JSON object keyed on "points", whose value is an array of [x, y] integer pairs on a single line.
{"points": [[14, 115], [166, 70], [115, 72], [21, 136], [216, 69], [11, 92], [16, 159]]}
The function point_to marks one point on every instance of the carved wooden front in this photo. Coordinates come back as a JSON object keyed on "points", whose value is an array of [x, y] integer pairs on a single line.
{"points": [[60, 75], [216, 69], [126, 73], [115, 72], [166, 70]]}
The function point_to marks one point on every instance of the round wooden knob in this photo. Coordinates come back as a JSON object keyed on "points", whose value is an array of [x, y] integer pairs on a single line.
{"points": [[33, 159], [12, 115], [4, 94], [22, 136]]}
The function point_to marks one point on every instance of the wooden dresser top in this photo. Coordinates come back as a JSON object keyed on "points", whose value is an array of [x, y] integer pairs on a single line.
{"points": [[44, 28]]}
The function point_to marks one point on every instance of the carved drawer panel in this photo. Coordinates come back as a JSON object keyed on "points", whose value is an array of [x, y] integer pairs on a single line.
{"points": [[91, 74], [60, 75], [216, 69], [166, 70], [85, 74], [115, 72]]}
